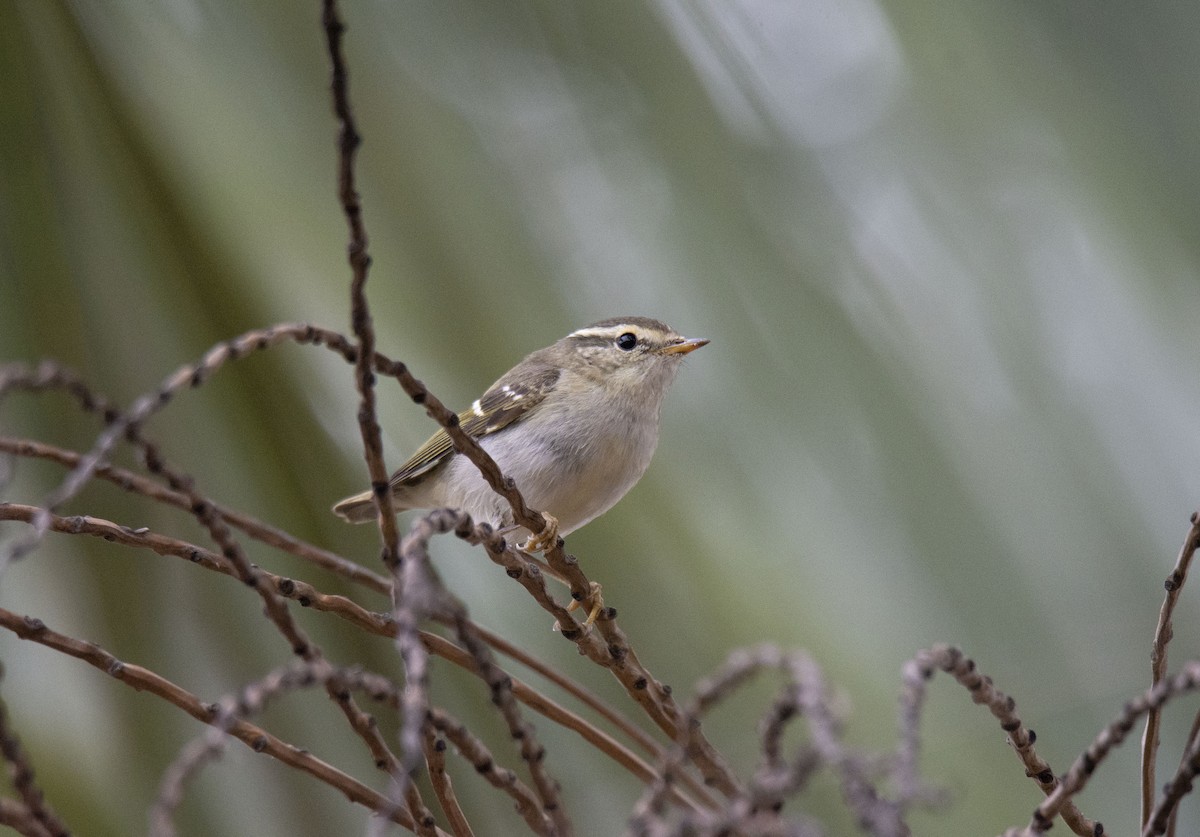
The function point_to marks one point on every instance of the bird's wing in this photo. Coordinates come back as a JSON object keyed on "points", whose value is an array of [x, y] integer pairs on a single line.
{"points": [[504, 402]]}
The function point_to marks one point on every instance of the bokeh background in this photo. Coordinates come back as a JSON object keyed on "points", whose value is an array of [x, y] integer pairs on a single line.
{"points": [[946, 254]]}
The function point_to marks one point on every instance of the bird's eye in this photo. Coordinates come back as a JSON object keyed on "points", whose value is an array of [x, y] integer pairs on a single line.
{"points": [[627, 341]]}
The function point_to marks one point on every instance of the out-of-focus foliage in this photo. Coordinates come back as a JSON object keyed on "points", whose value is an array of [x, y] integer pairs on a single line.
{"points": [[945, 252]]}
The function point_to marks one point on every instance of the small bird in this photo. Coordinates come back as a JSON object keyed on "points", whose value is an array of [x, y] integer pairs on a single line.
{"points": [[574, 425]]}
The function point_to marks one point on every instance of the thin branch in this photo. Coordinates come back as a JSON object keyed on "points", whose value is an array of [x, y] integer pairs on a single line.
{"points": [[608, 647], [379, 624], [251, 700], [1188, 680], [1158, 662], [501, 778], [419, 593], [257, 739], [203, 510], [443, 786], [1162, 818], [349, 141], [119, 424], [1003, 708], [256, 529], [807, 696]]}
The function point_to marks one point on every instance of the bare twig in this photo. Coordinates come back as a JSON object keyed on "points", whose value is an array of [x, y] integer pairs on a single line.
{"points": [[1188, 680], [611, 650], [501, 778], [202, 509], [1003, 708], [142, 679], [1162, 817], [120, 424], [262, 532], [250, 701], [420, 593], [381, 625], [757, 808], [360, 264], [1158, 661], [443, 786]]}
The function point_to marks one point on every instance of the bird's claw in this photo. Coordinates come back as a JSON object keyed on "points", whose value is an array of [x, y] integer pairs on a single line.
{"points": [[546, 538], [596, 595]]}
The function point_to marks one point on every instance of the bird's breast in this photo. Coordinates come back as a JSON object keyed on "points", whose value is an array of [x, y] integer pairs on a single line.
{"points": [[575, 476]]}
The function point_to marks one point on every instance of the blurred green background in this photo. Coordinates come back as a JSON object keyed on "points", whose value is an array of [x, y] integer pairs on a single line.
{"points": [[946, 254]]}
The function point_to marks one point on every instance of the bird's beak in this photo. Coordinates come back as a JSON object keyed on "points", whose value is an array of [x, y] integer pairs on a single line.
{"points": [[685, 346]]}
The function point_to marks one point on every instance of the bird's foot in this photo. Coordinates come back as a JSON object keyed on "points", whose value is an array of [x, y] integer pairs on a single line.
{"points": [[546, 539], [595, 595]]}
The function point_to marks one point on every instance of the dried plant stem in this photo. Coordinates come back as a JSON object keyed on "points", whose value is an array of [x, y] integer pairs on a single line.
{"points": [[142, 679], [349, 141], [259, 531], [375, 623], [1162, 817], [1188, 680], [127, 424], [250, 701], [1003, 708], [608, 646], [756, 811], [1158, 662], [650, 746], [443, 787], [421, 593]]}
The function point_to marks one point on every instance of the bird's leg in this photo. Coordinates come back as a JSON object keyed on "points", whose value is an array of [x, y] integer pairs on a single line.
{"points": [[547, 538], [542, 542]]}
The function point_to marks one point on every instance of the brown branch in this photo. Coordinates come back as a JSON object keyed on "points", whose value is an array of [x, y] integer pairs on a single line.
{"points": [[1158, 662], [609, 648], [254, 737], [501, 778], [194, 755], [420, 593], [259, 531], [251, 700], [120, 424], [379, 624], [202, 509], [758, 806], [1076, 778], [1187, 762], [590, 733], [1162, 817], [1003, 708], [349, 141], [443, 787]]}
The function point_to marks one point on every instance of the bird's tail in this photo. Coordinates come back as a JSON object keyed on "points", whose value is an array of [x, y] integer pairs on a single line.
{"points": [[357, 509]]}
